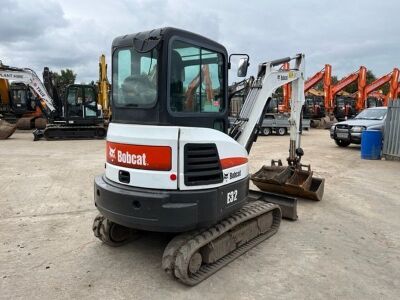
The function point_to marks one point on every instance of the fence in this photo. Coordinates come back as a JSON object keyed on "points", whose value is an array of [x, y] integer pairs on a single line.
{"points": [[391, 144]]}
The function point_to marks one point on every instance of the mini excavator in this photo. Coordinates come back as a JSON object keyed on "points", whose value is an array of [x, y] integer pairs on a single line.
{"points": [[172, 163]]}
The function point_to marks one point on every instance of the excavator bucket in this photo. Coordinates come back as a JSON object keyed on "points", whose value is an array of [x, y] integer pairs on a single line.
{"points": [[289, 181], [6, 129]]}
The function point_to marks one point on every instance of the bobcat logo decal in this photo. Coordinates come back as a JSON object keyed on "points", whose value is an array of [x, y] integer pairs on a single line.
{"points": [[111, 152]]}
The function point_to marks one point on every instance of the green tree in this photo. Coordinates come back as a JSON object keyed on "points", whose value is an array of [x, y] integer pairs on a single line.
{"points": [[353, 87], [320, 85], [64, 78]]}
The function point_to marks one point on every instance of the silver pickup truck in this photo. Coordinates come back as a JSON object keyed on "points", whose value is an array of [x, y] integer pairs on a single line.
{"points": [[279, 124], [349, 132]]}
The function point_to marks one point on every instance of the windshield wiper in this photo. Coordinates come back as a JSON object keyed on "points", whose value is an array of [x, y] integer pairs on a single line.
{"points": [[131, 105]]}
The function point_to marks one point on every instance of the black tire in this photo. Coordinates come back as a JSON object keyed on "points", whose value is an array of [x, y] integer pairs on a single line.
{"points": [[315, 123], [281, 131], [342, 143], [112, 234], [266, 131]]}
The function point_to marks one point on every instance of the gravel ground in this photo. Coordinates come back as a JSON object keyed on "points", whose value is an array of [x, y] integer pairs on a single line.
{"points": [[346, 246]]}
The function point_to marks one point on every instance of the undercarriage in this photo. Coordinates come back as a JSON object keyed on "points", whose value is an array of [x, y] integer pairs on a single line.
{"points": [[193, 256]]}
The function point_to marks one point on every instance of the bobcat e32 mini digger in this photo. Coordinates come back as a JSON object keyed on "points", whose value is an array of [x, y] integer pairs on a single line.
{"points": [[173, 165]]}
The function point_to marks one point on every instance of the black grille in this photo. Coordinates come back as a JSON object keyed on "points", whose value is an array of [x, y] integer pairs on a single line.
{"points": [[201, 164], [342, 126]]}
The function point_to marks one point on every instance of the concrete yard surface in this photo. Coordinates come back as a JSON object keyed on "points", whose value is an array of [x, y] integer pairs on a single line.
{"points": [[347, 246]]}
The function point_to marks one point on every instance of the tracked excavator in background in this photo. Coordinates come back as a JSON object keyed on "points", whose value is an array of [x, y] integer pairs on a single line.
{"points": [[320, 108], [345, 107], [172, 163], [314, 108], [367, 91], [78, 117], [18, 105], [375, 99]]}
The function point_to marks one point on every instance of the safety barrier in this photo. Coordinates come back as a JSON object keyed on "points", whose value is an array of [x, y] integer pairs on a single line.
{"points": [[391, 145]]}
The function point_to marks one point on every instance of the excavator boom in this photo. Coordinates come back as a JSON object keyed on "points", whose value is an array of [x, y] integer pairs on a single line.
{"points": [[104, 88], [392, 77], [30, 78], [287, 91], [359, 76], [317, 77]]}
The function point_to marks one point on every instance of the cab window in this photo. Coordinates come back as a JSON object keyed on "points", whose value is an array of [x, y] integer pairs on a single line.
{"points": [[196, 79], [135, 78]]}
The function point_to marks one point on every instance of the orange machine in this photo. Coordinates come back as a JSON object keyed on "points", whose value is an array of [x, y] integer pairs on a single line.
{"points": [[325, 74], [287, 91], [392, 77], [360, 75], [16, 103], [194, 84], [4, 92], [346, 107]]}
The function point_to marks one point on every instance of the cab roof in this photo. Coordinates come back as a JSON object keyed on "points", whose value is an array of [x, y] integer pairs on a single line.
{"points": [[146, 40]]}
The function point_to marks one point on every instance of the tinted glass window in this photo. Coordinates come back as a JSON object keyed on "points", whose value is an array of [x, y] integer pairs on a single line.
{"points": [[89, 95], [135, 78], [372, 114], [196, 79], [19, 96]]}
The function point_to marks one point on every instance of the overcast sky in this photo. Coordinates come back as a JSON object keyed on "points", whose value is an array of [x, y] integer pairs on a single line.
{"points": [[73, 34]]}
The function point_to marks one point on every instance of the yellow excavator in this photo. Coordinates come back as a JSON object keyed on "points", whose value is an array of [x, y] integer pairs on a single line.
{"points": [[104, 87]]}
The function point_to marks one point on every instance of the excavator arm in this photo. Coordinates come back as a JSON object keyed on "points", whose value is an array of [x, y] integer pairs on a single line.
{"points": [[317, 77], [292, 179], [392, 77], [287, 91], [104, 87], [326, 75], [245, 128], [359, 75], [30, 78]]}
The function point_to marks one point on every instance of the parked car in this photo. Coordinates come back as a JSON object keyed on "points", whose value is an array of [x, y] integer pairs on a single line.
{"points": [[279, 124], [349, 132]]}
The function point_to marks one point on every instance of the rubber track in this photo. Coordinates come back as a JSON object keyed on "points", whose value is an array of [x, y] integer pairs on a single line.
{"points": [[247, 212], [50, 129]]}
